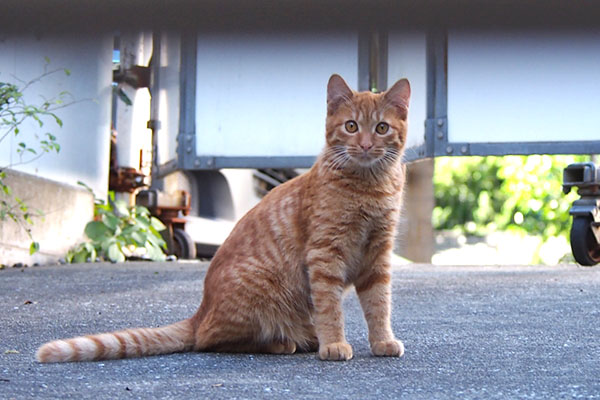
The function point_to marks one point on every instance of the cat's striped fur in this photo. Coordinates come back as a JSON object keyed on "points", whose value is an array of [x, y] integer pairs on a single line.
{"points": [[276, 283]]}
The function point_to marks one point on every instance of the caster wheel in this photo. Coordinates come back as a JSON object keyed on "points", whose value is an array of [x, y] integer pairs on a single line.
{"points": [[583, 242], [183, 245]]}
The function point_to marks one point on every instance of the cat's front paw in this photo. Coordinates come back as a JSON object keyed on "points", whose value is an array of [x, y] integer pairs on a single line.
{"points": [[339, 351], [389, 348]]}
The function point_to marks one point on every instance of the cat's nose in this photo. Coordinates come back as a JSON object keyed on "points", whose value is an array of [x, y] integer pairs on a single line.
{"points": [[366, 146]]}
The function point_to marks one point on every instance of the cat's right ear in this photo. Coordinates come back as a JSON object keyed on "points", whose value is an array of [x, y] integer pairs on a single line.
{"points": [[338, 92]]}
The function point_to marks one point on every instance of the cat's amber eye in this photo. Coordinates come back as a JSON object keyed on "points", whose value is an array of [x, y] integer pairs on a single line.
{"points": [[382, 128], [351, 126]]}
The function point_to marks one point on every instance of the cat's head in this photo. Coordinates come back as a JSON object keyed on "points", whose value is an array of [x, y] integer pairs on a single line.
{"points": [[364, 129]]}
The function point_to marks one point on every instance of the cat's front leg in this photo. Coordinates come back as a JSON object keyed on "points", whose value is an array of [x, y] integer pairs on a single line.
{"points": [[374, 292], [327, 286]]}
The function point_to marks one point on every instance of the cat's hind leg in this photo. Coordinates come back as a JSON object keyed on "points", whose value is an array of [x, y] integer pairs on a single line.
{"points": [[251, 346]]}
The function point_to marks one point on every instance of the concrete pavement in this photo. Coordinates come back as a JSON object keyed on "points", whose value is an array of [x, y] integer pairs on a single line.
{"points": [[469, 332]]}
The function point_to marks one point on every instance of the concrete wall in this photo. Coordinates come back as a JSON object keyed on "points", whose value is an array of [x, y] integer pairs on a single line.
{"points": [[65, 210]]}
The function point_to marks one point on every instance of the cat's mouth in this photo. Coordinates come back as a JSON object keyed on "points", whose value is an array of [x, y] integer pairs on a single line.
{"points": [[365, 159]]}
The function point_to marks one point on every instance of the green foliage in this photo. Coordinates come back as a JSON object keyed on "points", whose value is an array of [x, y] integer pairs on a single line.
{"points": [[118, 232], [479, 195], [14, 111]]}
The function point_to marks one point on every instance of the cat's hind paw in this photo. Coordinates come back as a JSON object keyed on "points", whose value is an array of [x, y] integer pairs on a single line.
{"points": [[282, 347], [339, 351], [389, 348]]}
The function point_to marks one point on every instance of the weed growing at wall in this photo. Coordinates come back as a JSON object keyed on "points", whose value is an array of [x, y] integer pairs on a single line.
{"points": [[119, 232]]}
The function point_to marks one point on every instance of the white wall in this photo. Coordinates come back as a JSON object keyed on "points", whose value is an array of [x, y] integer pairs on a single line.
{"points": [[265, 95], [523, 86], [407, 58], [85, 136]]}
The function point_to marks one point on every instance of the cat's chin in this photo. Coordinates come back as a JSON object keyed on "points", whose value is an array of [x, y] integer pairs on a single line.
{"points": [[365, 162]]}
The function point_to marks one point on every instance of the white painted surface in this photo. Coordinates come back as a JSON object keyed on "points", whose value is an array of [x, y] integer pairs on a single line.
{"points": [[265, 95], [407, 58], [208, 231], [85, 135], [168, 97], [523, 86], [241, 184], [131, 124]]}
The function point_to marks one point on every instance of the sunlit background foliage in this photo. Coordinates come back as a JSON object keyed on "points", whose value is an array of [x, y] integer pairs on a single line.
{"points": [[520, 194]]}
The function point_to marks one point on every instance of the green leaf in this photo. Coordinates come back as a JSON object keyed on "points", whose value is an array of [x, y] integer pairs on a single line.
{"points": [[121, 208], [34, 247], [46, 59], [27, 218], [81, 256], [141, 210], [96, 230], [115, 254], [67, 72], [91, 250], [89, 189], [123, 96], [139, 238], [143, 222], [154, 252], [105, 244], [157, 224], [111, 221], [155, 238]]}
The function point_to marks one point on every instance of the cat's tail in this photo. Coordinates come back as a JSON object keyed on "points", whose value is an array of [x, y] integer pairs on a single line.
{"points": [[178, 337]]}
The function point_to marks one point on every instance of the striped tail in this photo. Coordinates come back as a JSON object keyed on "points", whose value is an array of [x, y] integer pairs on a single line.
{"points": [[178, 337]]}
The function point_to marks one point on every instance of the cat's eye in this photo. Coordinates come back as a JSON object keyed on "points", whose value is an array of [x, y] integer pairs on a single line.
{"points": [[382, 128], [351, 126]]}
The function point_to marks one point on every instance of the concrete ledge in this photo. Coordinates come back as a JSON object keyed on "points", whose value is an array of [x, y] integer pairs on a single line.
{"points": [[66, 210]]}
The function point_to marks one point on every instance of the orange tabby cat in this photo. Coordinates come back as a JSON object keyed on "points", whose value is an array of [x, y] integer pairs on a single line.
{"points": [[276, 283]]}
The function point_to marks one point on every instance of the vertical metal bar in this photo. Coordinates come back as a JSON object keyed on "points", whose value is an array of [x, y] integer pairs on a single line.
{"points": [[379, 61], [153, 123], [436, 132], [186, 138], [372, 61], [364, 65]]}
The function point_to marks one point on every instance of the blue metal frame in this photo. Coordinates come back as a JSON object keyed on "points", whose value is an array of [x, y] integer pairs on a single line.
{"points": [[372, 51]]}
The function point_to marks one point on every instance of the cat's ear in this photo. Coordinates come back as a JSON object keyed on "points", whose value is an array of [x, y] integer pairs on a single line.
{"points": [[337, 93], [399, 97]]}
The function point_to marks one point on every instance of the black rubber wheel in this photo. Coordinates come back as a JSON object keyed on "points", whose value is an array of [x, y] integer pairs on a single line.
{"points": [[583, 242], [183, 245]]}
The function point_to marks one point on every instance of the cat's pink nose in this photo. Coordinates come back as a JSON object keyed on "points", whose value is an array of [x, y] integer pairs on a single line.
{"points": [[366, 146]]}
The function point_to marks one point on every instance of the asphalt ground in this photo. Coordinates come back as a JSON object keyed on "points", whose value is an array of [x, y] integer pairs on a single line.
{"points": [[469, 332]]}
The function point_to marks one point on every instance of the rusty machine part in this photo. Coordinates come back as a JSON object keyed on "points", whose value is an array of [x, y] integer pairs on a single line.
{"points": [[170, 209]]}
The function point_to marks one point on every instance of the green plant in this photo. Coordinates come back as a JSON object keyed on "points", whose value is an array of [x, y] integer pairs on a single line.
{"points": [[119, 232], [479, 195], [15, 110]]}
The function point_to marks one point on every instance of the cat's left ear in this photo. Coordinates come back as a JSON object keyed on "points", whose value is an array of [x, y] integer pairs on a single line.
{"points": [[399, 97]]}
